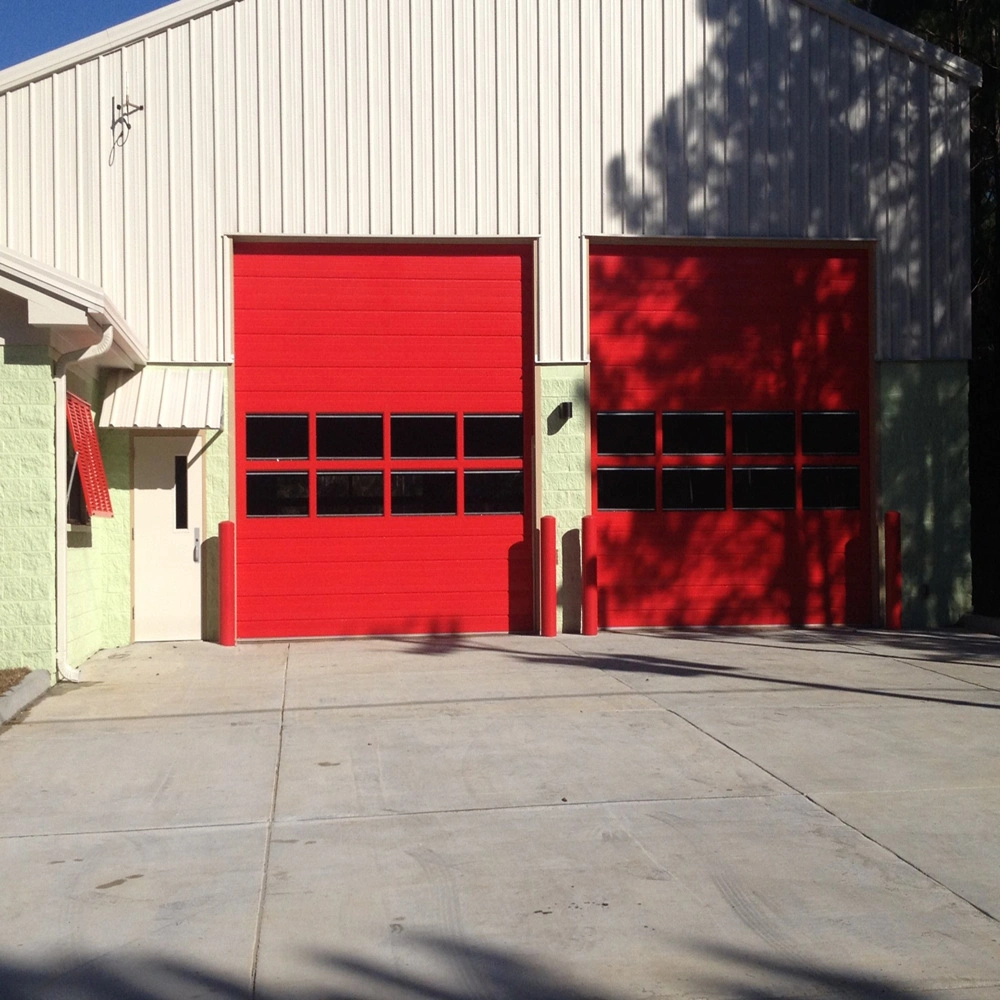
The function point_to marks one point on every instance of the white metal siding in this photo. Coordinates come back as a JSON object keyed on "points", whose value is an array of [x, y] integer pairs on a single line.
{"points": [[763, 118]]}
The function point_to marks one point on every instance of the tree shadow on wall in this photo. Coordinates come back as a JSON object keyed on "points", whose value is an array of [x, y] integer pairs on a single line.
{"points": [[452, 969], [775, 136]]}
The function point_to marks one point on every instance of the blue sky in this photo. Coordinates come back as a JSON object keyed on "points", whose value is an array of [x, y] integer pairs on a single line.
{"points": [[30, 27]]}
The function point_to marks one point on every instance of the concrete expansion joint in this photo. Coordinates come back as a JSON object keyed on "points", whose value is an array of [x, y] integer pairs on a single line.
{"points": [[265, 867]]}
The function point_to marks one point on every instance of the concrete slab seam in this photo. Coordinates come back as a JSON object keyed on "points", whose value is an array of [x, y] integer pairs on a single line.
{"points": [[850, 826], [261, 899], [26, 692]]}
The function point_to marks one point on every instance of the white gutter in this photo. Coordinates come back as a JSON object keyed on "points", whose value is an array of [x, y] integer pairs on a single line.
{"points": [[64, 671]]}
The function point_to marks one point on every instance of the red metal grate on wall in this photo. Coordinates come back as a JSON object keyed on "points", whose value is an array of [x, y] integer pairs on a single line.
{"points": [[89, 465]]}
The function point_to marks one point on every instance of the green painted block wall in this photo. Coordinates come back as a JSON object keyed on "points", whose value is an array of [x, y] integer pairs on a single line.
{"points": [[217, 507], [27, 492], [924, 442], [565, 484]]}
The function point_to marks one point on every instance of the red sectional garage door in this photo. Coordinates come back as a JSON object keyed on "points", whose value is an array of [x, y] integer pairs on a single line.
{"points": [[382, 422], [730, 394]]}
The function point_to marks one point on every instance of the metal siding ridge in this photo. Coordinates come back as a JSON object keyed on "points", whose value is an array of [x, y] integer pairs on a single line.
{"points": [[165, 398]]}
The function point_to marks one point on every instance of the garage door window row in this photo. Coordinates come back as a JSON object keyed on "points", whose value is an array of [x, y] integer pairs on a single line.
{"points": [[425, 473], [702, 461]]}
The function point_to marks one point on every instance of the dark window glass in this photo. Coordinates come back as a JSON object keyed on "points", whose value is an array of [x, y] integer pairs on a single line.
{"points": [[494, 437], [831, 433], [76, 507], [494, 493], [626, 433], [180, 491], [763, 489], [694, 434], [764, 433], [348, 436], [826, 488], [277, 494], [423, 437], [694, 489], [626, 489], [348, 493], [424, 493], [278, 436]]}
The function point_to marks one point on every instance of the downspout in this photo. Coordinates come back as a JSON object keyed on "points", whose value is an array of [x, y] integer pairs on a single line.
{"points": [[64, 671]]}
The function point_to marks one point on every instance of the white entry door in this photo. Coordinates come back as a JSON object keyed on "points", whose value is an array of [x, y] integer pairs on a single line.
{"points": [[167, 525]]}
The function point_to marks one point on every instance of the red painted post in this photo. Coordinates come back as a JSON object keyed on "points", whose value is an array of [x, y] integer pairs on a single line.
{"points": [[548, 567], [227, 583], [589, 546], [893, 571]]}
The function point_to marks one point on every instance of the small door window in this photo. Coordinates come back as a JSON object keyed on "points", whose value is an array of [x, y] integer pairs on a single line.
{"points": [[694, 489], [344, 493], [831, 433], [764, 434], [431, 436], [831, 487], [694, 433], [498, 436], [626, 433], [424, 493], [626, 489], [277, 494], [277, 436], [494, 492], [763, 488], [348, 435], [180, 491]]}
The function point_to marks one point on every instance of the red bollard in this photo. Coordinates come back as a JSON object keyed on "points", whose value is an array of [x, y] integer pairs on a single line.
{"points": [[893, 571], [227, 583], [547, 557], [589, 546]]}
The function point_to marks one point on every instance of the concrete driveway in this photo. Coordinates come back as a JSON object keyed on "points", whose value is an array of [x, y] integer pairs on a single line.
{"points": [[749, 814]]}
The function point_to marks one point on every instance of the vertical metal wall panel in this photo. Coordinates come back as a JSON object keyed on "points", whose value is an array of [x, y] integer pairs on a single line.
{"points": [[401, 120], [475, 118], [224, 119], [485, 90], [268, 58], [379, 118], [290, 117], [130, 161], [42, 170], [464, 82], [181, 195], [156, 117], [247, 166], [778, 118], [336, 140], [65, 154], [313, 119], [18, 177], [508, 148], [204, 223], [527, 126]]}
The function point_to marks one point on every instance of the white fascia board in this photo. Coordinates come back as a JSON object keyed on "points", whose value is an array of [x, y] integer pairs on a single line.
{"points": [[107, 41], [40, 284], [897, 38]]}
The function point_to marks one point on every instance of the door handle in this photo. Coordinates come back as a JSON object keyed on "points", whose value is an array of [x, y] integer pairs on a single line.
{"points": [[197, 545]]}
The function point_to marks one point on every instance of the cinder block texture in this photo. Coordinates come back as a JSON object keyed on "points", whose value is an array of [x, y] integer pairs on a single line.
{"points": [[565, 484], [925, 476], [27, 494], [217, 500]]}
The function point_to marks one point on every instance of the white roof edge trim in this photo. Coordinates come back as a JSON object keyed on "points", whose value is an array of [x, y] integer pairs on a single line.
{"points": [[83, 295], [184, 10], [897, 38], [108, 40], [165, 397]]}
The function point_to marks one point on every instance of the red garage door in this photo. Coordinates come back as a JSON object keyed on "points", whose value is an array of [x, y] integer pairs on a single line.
{"points": [[382, 422], [730, 397]]}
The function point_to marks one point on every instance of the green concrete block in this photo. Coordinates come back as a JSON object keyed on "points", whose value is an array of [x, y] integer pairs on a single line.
{"points": [[925, 476]]}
